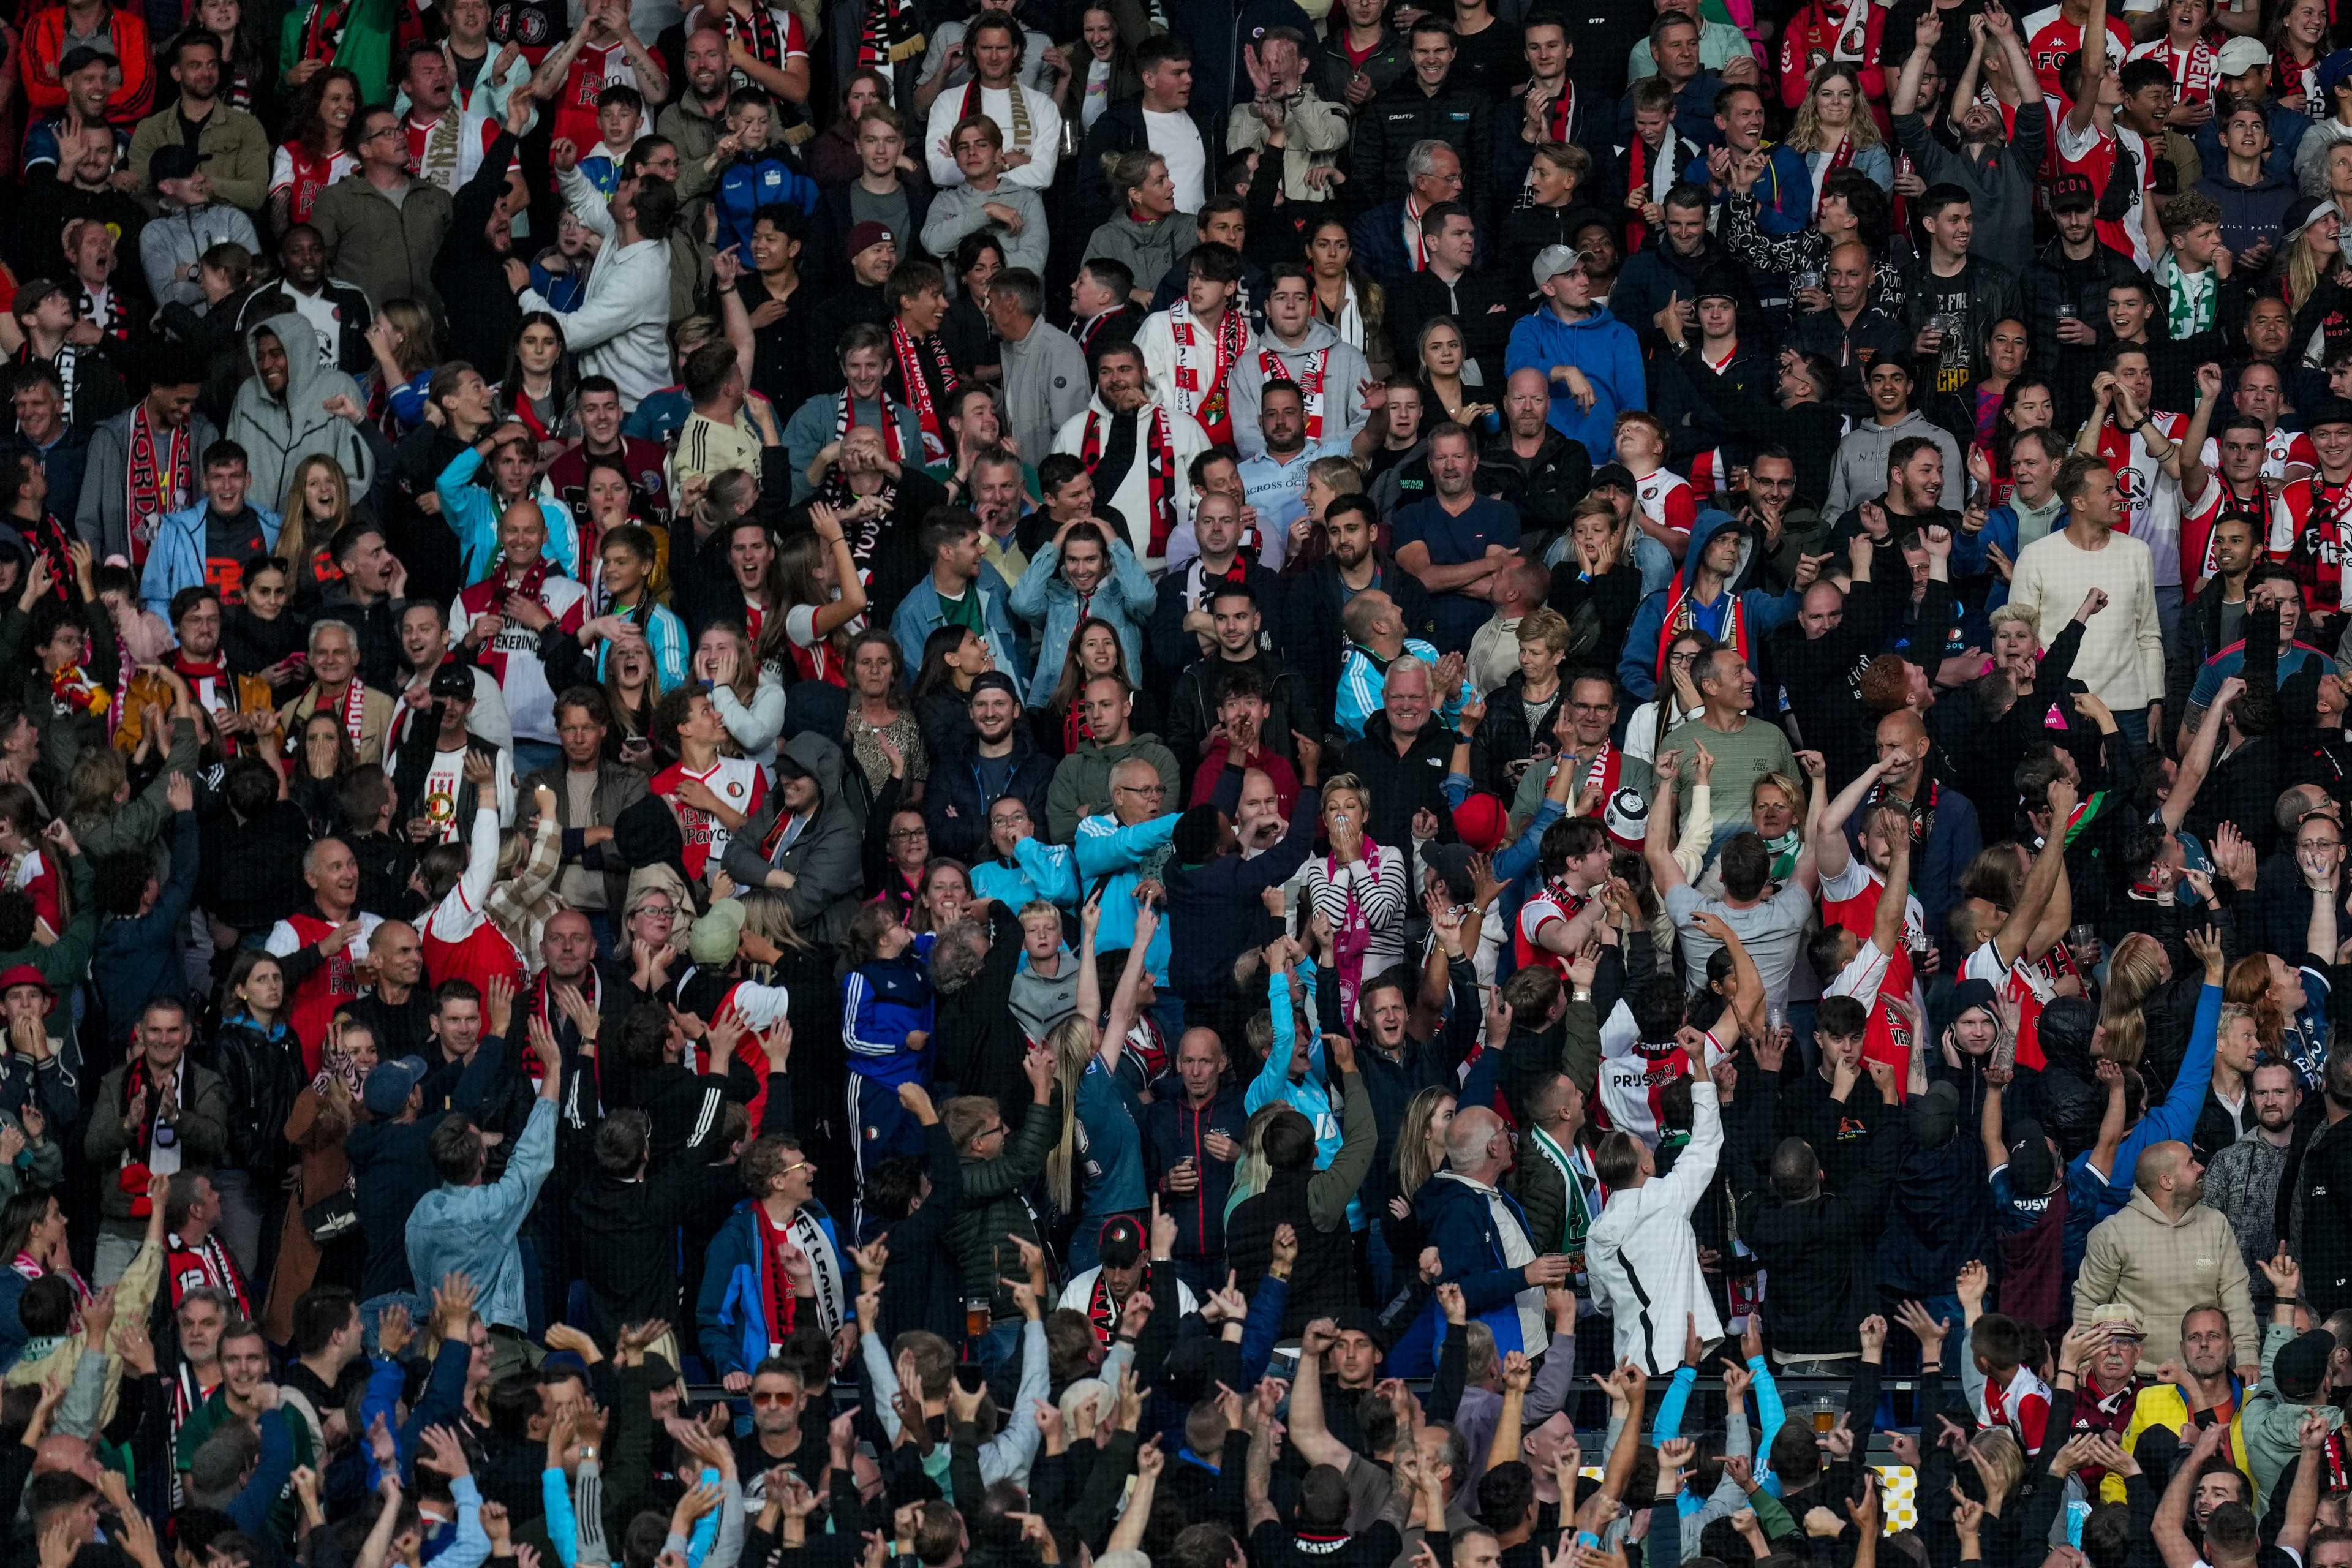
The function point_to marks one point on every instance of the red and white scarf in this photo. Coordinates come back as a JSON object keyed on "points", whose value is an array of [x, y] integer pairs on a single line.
{"points": [[756, 30], [1204, 397], [155, 490], [889, 35], [1840, 157], [1159, 456], [918, 385], [1416, 235], [1309, 383], [1681, 617]]}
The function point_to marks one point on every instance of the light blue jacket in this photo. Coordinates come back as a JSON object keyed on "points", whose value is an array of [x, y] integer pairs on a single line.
{"points": [[472, 514], [176, 559], [666, 635], [1039, 870], [1125, 856], [920, 615], [472, 1230], [1125, 599]]}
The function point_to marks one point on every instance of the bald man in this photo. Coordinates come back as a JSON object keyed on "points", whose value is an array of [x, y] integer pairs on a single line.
{"points": [[1853, 331], [1484, 1238], [2165, 1253], [499, 620], [1945, 835]]}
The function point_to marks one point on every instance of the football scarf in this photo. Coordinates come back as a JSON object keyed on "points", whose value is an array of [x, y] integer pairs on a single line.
{"points": [[156, 487], [1309, 381], [918, 385], [1159, 455], [1204, 397]]}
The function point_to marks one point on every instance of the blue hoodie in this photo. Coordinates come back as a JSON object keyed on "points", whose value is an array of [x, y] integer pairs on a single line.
{"points": [[1637, 670], [1605, 349]]}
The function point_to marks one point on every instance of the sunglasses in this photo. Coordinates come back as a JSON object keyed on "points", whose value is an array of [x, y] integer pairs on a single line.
{"points": [[784, 1398]]}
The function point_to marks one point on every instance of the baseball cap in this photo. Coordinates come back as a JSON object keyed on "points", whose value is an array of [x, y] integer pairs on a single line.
{"points": [[386, 1091], [1934, 1115], [1482, 822], [865, 235], [2335, 69], [2240, 56], [2072, 193], [1554, 259], [1612, 476], [81, 57], [2301, 1368], [453, 682], [2032, 1171], [1120, 1244], [993, 681], [1360, 1321]]}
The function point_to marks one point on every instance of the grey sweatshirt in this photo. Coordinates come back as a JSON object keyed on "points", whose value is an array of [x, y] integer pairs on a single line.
{"points": [[1860, 474]]}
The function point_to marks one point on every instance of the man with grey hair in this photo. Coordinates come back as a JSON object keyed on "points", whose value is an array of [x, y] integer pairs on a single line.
{"points": [[336, 689], [1483, 1236], [1046, 381], [1388, 238]]}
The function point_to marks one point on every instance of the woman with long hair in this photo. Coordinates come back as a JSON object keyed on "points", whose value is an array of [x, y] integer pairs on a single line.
{"points": [[1145, 230], [632, 689], [259, 1059], [32, 1246], [952, 657], [538, 388], [407, 352], [2006, 347], [1359, 887], [1250, 1171], [1346, 299], [1104, 1101], [1440, 356], [323, 1115], [946, 890], [974, 262], [1094, 649], [317, 152], [263, 636], [746, 689], [317, 783], [1834, 130], [823, 602], [1652, 721], [879, 720], [1419, 1154], [248, 72], [2283, 1018], [2298, 43], [318, 503], [2028, 402], [26, 864], [2314, 254], [1109, 74]]}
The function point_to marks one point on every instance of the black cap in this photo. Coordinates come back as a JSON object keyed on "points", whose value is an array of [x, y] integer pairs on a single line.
{"points": [[81, 57], [1120, 1244], [454, 682], [2032, 1171], [175, 161], [1613, 476], [2301, 1369], [2072, 193], [1934, 1115], [2329, 410], [1361, 1321], [994, 680]]}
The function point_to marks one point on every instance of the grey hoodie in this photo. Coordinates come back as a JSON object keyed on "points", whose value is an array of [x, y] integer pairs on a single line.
{"points": [[1344, 375], [1039, 1002], [825, 860], [1860, 473], [1150, 249], [278, 431]]}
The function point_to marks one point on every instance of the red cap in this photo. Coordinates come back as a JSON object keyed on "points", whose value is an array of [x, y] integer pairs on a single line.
{"points": [[26, 974], [1482, 822]]}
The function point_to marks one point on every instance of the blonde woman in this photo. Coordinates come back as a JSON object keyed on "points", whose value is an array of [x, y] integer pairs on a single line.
{"points": [[407, 352], [318, 503], [1834, 130], [1250, 1173], [1145, 232], [1420, 1154], [1359, 887], [749, 695]]}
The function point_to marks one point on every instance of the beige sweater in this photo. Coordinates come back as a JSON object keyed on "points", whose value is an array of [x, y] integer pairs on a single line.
{"points": [[2164, 1267], [2121, 659]]}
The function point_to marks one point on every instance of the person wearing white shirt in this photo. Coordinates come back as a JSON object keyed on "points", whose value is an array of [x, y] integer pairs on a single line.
{"points": [[621, 329], [1031, 122]]}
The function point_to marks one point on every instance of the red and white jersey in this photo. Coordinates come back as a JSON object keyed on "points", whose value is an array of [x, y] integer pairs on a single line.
{"points": [[2023, 1406], [735, 780], [1554, 902], [596, 68], [2020, 983], [513, 654], [1634, 1076], [2151, 496], [303, 177], [2315, 515], [1667, 500], [2198, 519], [2194, 70], [1877, 980], [2092, 155], [2051, 37], [1851, 899], [456, 160], [2280, 448]]}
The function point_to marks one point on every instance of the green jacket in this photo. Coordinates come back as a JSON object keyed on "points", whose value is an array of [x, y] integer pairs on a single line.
{"points": [[1081, 785], [993, 1211], [365, 51], [138, 822], [64, 963]]}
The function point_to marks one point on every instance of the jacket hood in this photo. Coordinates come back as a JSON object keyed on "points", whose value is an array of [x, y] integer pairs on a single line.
{"points": [[308, 379], [1599, 319], [1118, 753], [1319, 336], [822, 758], [2146, 1207], [1709, 523]]}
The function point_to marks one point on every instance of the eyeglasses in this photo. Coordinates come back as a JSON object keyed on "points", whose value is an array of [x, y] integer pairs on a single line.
{"points": [[1154, 791], [797, 1165], [775, 1396], [910, 833]]}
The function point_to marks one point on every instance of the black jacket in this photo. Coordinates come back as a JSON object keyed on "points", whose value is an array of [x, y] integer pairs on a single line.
{"points": [[1393, 121], [1403, 784], [1171, 647], [1508, 739], [471, 276], [1193, 708], [2323, 1238], [263, 1078], [2054, 281], [1121, 129], [955, 803], [1823, 1250], [1323, 1279], [1487, 301], [1174, 1132], [1544, 488]]}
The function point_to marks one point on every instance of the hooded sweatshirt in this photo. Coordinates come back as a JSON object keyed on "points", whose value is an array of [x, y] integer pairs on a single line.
{"points": [[1600, 346], [1148, 250], [823, 854], [1859, 473], [1324, 363], [1756, 614], [279, 430]]}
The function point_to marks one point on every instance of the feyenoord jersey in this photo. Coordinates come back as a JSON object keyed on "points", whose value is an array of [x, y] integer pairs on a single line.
{"points": [[596, 68], [1668, 500], [2316, 510], [1634, 1076], [1554, 903], [2051, 37], [2197, 521], [735, 780], [2151, 496]]}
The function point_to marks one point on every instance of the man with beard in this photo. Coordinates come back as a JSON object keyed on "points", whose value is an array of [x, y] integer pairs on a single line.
{"points": [[1996, 166], [143, 467], [1183, 623], [1194, 725], [1313, 637], [1528, 465], [398, 1010], [2242, 1181], [1138, 450], [337, 310], [2166, 1252], [815, 434]]}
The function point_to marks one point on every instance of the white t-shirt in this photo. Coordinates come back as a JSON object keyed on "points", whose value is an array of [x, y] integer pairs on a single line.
{"points": [[446, 788], [1178, 141]]}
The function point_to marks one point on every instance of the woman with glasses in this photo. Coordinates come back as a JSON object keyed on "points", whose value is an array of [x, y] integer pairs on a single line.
{"points": [[906, 853], [652, 945]]}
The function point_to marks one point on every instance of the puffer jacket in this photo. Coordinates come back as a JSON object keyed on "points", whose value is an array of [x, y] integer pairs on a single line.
{"points": [[2073, 1100], [262, 1075], [994, 1213]]}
